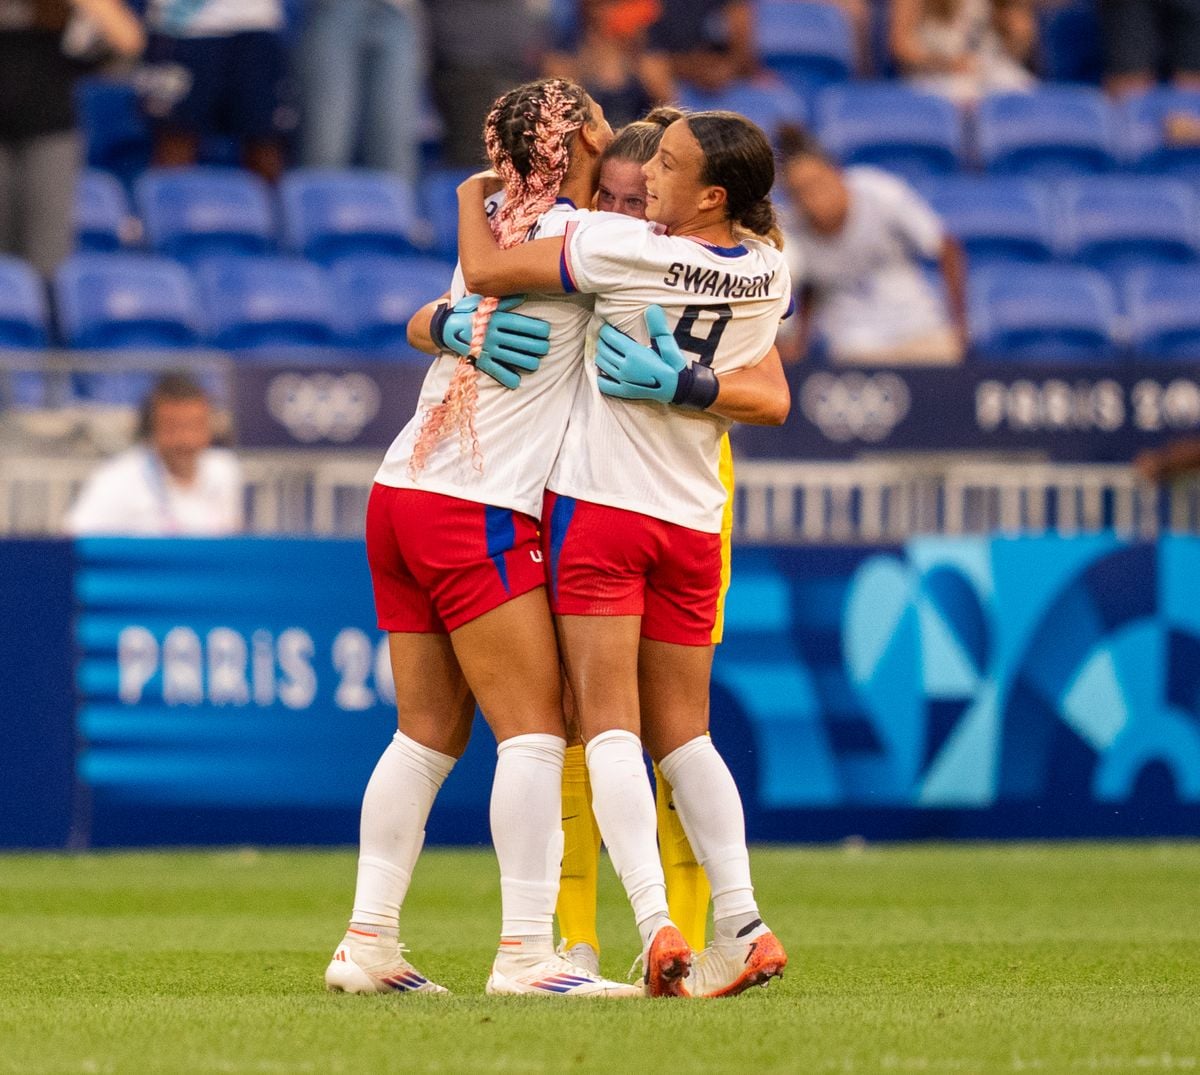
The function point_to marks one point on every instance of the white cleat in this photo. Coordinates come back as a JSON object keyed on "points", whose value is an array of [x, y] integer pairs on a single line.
{"points": [[582, 955], [550, 975], [725, 970], [362, 965]]}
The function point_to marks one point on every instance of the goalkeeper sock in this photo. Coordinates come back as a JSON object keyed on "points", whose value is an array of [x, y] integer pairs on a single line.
{"points": [[581, 855], [687, 885], [395, 808]]}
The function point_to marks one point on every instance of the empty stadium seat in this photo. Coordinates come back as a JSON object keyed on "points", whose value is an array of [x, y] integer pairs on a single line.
{"points": [[1115, 223], [911, 133], [266, 303], [22, 305], [190, 213], [116, 132], [439, 201], [1052, 132], [330, 214], [997, 219], [126, 300], [102, 217], [767, 105], [1146, 140], [1164, 315], [807, 44], [379, 295], [1046, 313]]}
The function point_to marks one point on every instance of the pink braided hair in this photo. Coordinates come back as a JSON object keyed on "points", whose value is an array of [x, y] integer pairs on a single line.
{"points": [[527, 134]]}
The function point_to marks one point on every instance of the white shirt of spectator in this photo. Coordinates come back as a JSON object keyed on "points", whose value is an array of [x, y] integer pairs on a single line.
{"points": [[519, 431], [215, 18], [133, 495], [656, 458], [871, 292]]}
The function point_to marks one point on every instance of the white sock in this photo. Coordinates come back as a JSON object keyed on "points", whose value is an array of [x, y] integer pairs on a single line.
{"points": [[624, 807], [710, 810], [526, 819], [395, 808]]}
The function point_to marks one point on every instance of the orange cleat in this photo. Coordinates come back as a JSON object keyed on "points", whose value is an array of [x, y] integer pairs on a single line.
{"points": [[668, 962], [725, 970]]}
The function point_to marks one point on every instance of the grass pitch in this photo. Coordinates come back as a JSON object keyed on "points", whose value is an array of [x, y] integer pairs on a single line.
{"points": [[989, 958]]}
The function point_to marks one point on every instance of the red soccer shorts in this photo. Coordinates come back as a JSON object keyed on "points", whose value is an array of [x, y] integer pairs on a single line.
{"points": [[605, 561], [438, 562]]}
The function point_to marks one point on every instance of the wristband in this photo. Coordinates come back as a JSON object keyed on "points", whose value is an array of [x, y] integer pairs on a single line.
{"points": [[437, 326], [696, 388]]}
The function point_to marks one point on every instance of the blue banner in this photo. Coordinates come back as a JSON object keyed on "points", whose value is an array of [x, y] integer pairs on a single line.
{"points": [[1086, 412], [237, 690]]}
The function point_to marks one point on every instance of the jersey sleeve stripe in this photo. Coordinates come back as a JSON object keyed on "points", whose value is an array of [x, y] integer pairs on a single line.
{"points": [[564, 261]]}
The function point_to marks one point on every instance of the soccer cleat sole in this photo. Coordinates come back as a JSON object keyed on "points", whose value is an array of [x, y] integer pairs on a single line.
{"points": [[668, 963], [766, 961]]}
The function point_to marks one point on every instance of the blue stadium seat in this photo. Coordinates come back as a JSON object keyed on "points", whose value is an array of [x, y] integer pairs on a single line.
{"points": [[329, 214], [1046, 313], [764, 104], [1164, 316], [809, 45], [1053, 132], [380, 294], [1144, 136], [440, 204], [126, 300], [115, 130], [1118, 223], [267, 304], [22, 306], [997, 219], [190, 213], [893, 127], [102, 216]]}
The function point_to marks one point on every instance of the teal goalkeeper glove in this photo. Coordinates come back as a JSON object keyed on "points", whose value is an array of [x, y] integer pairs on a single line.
{"points": [[630, 370], [513, 345]]}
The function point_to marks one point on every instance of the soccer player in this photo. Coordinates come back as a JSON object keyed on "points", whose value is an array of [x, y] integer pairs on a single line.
{"points": [[452, 542], [633, 512]]}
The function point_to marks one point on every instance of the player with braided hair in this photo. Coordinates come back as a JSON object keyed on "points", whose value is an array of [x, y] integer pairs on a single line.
{"points": [[452, 542], [633, 516]]}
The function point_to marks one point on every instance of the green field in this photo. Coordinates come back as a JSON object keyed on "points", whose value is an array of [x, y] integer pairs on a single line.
{"points": [[976, 958]]}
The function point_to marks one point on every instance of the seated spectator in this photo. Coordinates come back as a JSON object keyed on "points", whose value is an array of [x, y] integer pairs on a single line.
{"points": [[1178, 458], [708, 43], [175, 483], [1145, 38], [361, 65], [218, 68], [45, 47], [964, 49], [607, 56], [856, 245]]}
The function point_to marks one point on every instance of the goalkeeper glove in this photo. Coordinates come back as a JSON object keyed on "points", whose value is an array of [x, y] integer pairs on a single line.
{"points": [[630, 370], [513, 345]]}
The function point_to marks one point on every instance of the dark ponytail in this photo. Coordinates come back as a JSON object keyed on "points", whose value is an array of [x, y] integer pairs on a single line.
{"points": [[739, 158]]}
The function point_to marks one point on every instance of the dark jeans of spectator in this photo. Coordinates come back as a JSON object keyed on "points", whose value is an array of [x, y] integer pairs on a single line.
{"points": [[37, 197]]}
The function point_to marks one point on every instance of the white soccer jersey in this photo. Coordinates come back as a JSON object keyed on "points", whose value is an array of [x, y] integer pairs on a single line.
{"points": [[519, 431], [724, 304]]}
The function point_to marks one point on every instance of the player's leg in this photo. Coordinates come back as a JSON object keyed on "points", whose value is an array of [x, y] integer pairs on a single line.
{"points": [[595, 559], [576, 908], [510, 659]]}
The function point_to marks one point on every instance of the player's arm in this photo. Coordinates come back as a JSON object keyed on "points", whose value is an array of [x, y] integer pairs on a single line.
{"points": [[419, 334], [488, 270], [757, 395]]}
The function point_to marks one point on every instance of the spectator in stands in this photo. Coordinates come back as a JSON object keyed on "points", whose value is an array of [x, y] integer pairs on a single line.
{"points": [[964, 49], [175, 483], [361, 65], [482, 49], [857, 238], [606, 54], [1175, 459], [219, 69], [1145, 38], [708, 43], [45, 46]]}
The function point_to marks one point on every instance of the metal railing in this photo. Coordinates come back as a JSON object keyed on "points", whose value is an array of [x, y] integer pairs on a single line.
{"points": [[788, 503]]}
